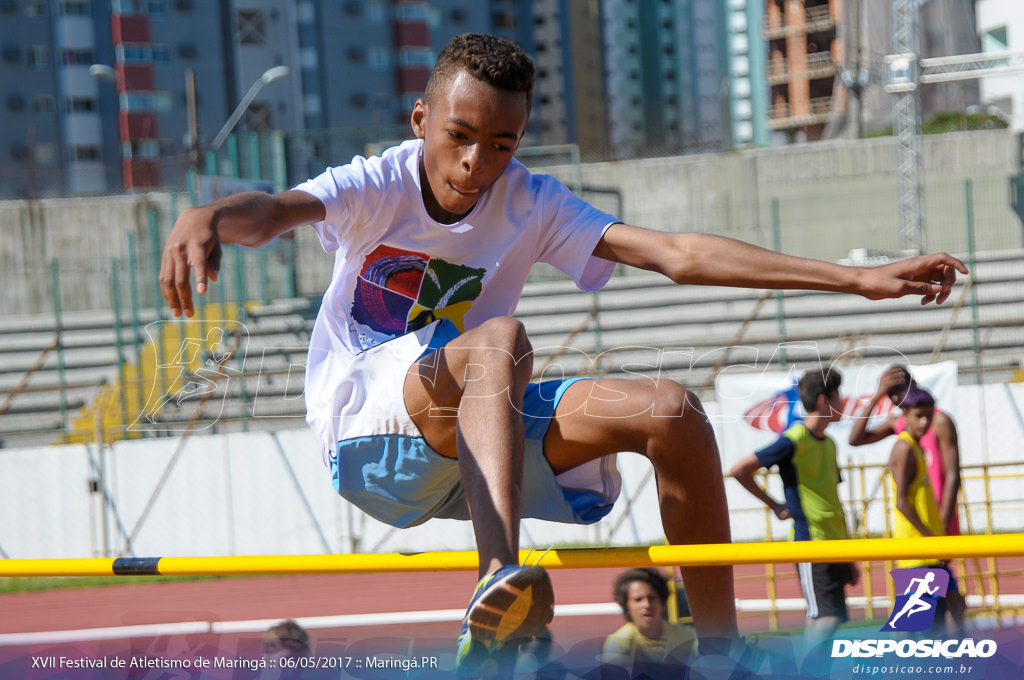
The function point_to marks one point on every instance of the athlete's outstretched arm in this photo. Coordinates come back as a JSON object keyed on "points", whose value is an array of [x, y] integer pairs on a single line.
{"points": [[720, 261], [252, 219]]}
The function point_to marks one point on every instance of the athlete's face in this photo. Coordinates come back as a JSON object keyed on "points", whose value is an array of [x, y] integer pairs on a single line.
{"points": [[469, 137], [645, 609], [919, 419]]}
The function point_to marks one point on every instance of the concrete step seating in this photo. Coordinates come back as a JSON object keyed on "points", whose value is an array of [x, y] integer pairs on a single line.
{"points": [[640, 324]]}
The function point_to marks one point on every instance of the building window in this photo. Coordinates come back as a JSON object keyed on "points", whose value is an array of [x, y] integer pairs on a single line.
{"points": [[435, 18], [133, 53], [35, 8], [154, 7], [46, 153], [381, 101], [74, 8], [19, 151], [375, 12], [141, 148], [39, 56], [136, 101], [161, 53], [162, 101], [410, 12], [42, 103], [311, 104], [308, 58], [11, 54], [85, 153], [358, 100], [994, 40], [80, 105], [416, 56], [503, 19], [252, 27], [76, 57], [128, 6], [355, 54], [380, 58], [16, 102]]}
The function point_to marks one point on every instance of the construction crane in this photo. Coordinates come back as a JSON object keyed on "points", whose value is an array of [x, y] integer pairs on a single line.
{"points": [[905, 75]]}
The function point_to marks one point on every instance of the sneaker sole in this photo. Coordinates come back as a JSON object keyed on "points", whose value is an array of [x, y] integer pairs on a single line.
{"points": [[518, 607]]}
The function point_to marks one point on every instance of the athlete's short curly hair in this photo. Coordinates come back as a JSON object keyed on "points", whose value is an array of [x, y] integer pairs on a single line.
{"points": [[815, 382], [496, 61]]}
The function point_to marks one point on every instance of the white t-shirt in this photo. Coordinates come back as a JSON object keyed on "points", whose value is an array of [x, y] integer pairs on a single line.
{"points": [[397, 271]]}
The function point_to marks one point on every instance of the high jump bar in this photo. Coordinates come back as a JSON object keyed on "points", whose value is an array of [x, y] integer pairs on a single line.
{"points": [[858, 550]]}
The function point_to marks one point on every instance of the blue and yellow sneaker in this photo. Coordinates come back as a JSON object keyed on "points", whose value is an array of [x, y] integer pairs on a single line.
{"points": [[510, 606]]}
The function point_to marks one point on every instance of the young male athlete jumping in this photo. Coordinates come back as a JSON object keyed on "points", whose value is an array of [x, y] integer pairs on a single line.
{"points": [[418, 378]]}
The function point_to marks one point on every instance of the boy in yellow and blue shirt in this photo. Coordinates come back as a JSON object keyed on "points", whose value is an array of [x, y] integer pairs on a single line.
{"points": [[807, 463]]}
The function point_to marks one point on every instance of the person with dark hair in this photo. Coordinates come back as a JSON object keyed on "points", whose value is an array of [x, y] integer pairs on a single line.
{"points": [[647, 641], [418, 379], [914, 510], [941, 443], [287, 638], [806, 458], [283, 644]]}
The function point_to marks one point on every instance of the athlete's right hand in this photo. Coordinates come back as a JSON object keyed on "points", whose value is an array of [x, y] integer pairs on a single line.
{"points": [[192, 244], [892, 378]]}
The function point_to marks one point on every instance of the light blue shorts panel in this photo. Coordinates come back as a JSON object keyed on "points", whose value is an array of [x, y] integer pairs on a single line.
{"points": [[401, 481]]}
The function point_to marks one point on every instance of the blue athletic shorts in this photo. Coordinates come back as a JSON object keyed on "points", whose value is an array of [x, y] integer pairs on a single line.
{"points": [[398, 479]]}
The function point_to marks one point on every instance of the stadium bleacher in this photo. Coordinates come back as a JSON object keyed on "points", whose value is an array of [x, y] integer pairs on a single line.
{"points": [[53, 381]]}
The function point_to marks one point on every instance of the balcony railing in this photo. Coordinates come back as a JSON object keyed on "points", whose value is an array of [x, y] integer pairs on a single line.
{"points": [[819, 65], [818, 19], [821, 106], [781, 117], [773, 26]]}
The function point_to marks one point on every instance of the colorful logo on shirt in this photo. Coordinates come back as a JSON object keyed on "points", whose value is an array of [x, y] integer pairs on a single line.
{"points": [[914, 610], [399, 291]]}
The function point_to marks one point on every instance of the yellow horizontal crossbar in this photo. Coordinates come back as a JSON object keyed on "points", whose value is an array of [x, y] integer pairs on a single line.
{"points": [[859, 550]]}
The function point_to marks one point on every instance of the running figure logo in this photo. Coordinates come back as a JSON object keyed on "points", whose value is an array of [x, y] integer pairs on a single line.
{"points": [[914, 610]]}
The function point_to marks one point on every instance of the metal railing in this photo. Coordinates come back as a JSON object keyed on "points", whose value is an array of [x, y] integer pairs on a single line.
{"points": [[980, 576]]}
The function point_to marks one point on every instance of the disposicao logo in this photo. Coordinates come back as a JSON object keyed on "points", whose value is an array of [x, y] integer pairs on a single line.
{"points": [[914, 610]]}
